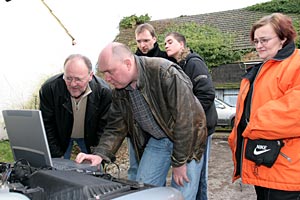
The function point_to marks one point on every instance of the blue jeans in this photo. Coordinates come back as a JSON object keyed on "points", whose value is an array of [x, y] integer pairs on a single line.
{"points": [[133, 163], [202, 189], [80, 142], [189, 191], [155, 164]]}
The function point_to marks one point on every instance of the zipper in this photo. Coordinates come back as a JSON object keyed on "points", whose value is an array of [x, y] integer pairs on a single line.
{"points": [[285, 156]]}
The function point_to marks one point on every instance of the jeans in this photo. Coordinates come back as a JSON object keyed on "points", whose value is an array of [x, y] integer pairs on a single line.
{"points": [[189, 191], [80, 142], [133, 163], [155, 164], [202, 189]]}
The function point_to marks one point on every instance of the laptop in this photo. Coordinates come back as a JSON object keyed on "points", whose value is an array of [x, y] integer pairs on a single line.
{"points": [[28, 141]]}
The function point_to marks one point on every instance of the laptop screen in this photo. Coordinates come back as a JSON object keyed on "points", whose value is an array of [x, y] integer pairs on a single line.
{"points": [[27, 137]]}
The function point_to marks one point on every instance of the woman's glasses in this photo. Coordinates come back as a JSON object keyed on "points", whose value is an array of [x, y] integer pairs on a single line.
{"points": [[262, 41]]}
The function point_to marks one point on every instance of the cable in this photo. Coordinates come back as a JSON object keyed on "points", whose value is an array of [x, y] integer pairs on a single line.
{"points": [[5, 169], [60, 23], [108, 164], [21, 170], [6, 176]]}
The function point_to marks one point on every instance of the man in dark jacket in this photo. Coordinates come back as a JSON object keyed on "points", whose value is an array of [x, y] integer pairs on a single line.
{"points": [[74, 107], [194, 66], [147, 45], [153, 100]]}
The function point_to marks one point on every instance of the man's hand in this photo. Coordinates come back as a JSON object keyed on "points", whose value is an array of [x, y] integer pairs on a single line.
{"points": [[93, 159], [180, 175]]}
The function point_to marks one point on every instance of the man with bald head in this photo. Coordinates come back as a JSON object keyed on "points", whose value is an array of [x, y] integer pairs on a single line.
{"points": [[74, 107], [152, 100]]}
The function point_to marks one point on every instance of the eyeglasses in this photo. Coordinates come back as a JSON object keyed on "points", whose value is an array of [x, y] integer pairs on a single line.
{"points": [[262, 41], [75, 79]]}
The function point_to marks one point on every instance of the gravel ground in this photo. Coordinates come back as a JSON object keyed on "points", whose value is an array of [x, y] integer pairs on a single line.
{"points": [[220, 186]]}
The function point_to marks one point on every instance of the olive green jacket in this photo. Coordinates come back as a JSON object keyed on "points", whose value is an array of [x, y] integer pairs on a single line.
{"points": [[168, 92]]}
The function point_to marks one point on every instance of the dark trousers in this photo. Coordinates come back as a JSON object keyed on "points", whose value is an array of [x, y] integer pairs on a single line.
{"points": [[272, 194]]}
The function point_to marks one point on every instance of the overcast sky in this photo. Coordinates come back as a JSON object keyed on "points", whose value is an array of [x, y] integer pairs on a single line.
{"points": [[34, 45]]}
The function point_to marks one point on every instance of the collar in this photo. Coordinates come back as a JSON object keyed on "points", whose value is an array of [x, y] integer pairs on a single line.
{"points": [[285, 52], [83, 94], [151, 53]]}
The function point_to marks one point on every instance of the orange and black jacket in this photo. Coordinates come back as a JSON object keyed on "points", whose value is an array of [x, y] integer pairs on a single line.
{"points": [[273, 112]]}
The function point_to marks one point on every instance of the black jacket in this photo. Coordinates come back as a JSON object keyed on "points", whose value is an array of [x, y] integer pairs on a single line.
{"points": [[155, 52], [56, 107], [194, 66]]}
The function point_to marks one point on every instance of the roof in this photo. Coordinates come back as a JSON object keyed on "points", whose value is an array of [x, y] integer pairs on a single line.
{"points": [[237, 22]]}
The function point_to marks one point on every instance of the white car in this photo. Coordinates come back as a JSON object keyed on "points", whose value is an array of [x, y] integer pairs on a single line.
{"points": [[44, 184], [157, 193], [226, 114]]}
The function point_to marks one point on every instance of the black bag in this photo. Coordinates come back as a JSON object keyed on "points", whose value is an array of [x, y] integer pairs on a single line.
{"points": [[263, 152]]}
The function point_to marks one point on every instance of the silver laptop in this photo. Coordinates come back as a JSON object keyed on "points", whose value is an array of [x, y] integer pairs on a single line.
{"points": [[28, 141]]}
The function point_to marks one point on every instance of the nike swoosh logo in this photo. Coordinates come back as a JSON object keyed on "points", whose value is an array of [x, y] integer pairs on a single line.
{"points": [[258, 152]]}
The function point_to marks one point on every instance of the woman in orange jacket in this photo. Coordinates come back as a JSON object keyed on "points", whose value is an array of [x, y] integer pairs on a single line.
{"points": [[268, 110]]}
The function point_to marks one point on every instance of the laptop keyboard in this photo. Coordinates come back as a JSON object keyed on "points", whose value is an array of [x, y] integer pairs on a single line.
{"points": [[60, 166], [70, 165]]}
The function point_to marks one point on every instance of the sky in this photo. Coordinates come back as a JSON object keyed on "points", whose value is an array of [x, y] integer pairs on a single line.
{"points": [[33, 45]]}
